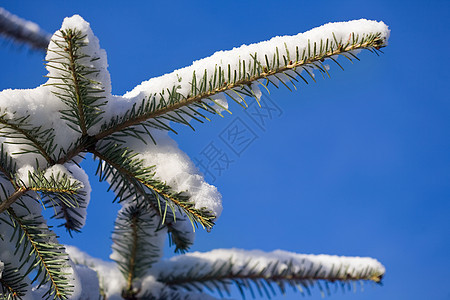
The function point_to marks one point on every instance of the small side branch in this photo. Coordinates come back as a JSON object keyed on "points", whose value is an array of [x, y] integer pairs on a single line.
{"points": [[28, 135], [69, 38], [200, 91], [4, 205], [146, 178], [48, 256]]}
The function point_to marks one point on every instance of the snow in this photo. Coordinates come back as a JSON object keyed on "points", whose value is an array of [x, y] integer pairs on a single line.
{"points": [[43, 107], [206, 262], [92, 48], [174, 167], [263, 261], [23, 174], [245, 53], [110, 278], [88, 283]]}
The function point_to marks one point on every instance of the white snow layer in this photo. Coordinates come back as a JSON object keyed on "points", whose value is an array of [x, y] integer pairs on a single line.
{"points": [[87, 286], [174, 167], [260, 261], [2, 266], [92, 49], [207, 262], [182, 77], [109, 276]]}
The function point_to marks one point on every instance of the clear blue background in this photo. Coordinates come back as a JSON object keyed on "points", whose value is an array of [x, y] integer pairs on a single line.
{"points": [[357, 164]]}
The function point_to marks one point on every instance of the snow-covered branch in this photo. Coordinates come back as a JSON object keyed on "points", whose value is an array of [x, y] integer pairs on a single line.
{"points": [[248, 270], [23, 31], [39, 248], [137, 244], [182, 94], [133, 171]]}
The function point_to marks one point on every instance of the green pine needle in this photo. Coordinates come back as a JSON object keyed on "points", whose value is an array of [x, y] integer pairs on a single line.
{"points": [[37, 247]]}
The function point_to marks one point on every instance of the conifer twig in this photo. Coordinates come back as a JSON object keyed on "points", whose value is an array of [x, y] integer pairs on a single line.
{"points": [[259, 73]]}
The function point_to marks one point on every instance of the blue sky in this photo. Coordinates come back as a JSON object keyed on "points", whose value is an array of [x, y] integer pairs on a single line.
{"points": [[357, 164]]}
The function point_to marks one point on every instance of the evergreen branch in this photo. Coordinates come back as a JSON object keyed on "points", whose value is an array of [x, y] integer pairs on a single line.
{"points": [[76, 89], [178, 237], [39, 249], [56, 189], [8, 167], [128, 189], [171, 105], [12, 285], [76, 149], [18, 130], [21, 30], [62, 193], [132, 241], [69, 214], [68, 37], [253, 275], [18, 193], [132, 169]]}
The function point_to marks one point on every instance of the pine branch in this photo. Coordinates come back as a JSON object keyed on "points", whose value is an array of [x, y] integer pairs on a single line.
{"points": [[12, 285], [18, 130], [236, 82], [135, 228], [8, 169], [56, 186], [21, 30], [57, 191], [178, 237], [37, 247], [123, 162], [8, 166], [129, 189], [74, 84], [63, 194], [249, 273], [11, 198]]}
